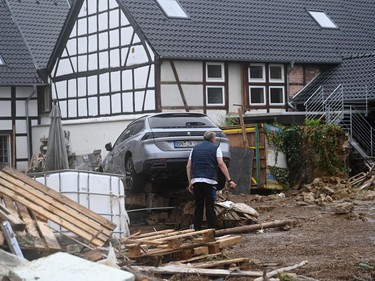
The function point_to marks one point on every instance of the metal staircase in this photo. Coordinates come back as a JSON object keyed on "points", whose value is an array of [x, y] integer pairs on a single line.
{"points": [[348, 112]]}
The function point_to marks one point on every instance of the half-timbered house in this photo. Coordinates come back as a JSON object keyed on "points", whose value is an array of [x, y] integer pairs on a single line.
{"points": [[115, 60]]}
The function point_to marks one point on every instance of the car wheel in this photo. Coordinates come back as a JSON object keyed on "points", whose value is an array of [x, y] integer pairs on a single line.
{"points": [[134, 182]]}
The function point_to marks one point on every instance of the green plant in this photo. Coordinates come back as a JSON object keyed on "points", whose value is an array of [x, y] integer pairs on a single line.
{"points": [[309, 149]]}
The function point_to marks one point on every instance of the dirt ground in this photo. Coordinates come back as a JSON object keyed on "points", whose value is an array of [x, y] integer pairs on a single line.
{"points": [[337, 246]]}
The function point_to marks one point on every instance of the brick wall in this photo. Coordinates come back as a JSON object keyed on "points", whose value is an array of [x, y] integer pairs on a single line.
{"points": [[300, 75]]}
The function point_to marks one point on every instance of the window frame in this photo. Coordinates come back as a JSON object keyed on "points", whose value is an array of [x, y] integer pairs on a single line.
{"points": [[2, 61], [210, 79], [282, 95], [271, 80], [264, 95], [259, 80], [222, 94], [164, 6], [8, 150], [316, 15]]}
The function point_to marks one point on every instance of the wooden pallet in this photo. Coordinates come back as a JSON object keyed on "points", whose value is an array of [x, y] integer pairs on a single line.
{"points": [[187, 243], [32, 233], [58, 208]]}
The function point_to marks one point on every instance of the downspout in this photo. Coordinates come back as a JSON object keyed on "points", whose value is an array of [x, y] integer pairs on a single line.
{"points": [[290, 67], [27, 123]]}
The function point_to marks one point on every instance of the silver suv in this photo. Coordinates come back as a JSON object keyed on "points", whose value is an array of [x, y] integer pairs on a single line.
{"points": [[156, 148]]}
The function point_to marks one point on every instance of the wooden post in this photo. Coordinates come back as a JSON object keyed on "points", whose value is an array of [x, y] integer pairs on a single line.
{"points": [[243, 128]]}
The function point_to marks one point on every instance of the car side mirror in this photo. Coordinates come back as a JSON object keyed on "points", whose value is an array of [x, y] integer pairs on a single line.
{"points": [[108, 146]]}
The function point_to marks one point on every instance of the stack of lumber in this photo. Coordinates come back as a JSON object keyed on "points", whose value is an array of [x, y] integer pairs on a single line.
{"points": [[32, 232], [364, 180], [28, 205], [186, 246], [197, 253]]}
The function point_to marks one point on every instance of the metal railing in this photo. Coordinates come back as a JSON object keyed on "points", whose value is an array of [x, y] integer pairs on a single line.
{"points": [[314, 105], [334, 106], [360, 130], [335, 111]]}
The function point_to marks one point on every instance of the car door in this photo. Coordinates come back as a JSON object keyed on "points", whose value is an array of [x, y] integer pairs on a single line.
{"points": [[113, 165], [126, 143]]}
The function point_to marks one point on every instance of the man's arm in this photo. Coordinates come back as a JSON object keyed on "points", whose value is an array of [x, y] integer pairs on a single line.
{"points": [[225, 171], [188, 173]]}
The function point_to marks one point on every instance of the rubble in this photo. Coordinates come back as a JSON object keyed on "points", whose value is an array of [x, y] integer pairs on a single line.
{"points": [[329, 189]]}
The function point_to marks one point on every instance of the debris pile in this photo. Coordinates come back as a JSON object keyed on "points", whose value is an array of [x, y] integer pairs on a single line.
{"points": [[27, 207], [328, 189]]}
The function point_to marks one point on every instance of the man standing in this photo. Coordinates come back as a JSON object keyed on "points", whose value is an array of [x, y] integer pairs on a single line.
{"points": [[201, 171]]}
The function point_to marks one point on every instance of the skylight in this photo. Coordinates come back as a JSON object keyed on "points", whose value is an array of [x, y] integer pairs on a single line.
{"points": [[172, 8], [2, 62], [322, 19]]}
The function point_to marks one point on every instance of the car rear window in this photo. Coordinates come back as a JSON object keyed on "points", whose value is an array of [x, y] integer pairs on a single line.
{"points": [[180, 121]]}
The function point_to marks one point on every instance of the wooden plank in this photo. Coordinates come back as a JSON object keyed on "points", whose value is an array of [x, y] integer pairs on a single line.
{"points": [[134, 251], [178, 269], [30, 225], [63, 199], [153, 237], [48, 235], [229, 241], [200, 257], [8, 202], [93, 255], [16, 223], [207, 234], [51, 204], [2, 238], [201, 250], [54, 200], [138, 234], [220, 263], [50, 215]]}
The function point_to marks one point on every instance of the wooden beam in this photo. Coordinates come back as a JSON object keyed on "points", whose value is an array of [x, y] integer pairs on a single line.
{"points": [[16, 223], [252, 227], [56, 207], [175, 269]]}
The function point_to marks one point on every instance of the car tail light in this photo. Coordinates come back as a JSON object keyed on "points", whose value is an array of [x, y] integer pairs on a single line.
{"points": [[148, 136]]}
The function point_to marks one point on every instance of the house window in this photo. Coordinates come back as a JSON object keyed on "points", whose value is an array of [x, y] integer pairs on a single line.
{"points": [[44, 99], [172, 8], [257, 72], [215, 95], [257, 95], [4, 151], [266, 85], [215, 72], [215, 84], [322, 19], [276, 72], [276, 95]]}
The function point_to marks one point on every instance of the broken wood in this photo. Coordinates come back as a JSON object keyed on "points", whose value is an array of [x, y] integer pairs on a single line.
{"points": [[56, 207], [280, 270], [178, 269], [15, 221], [253, 227]]}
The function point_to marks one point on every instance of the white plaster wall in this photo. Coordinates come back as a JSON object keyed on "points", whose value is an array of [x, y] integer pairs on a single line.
{"points": [[86, 136], [234, 85], [187, 71]]}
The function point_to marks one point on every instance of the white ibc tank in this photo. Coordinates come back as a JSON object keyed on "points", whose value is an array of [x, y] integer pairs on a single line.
{"points": [[102, 193]]}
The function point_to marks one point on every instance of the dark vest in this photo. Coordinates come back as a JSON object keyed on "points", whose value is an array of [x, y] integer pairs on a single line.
{"points": [[204, 161]]}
